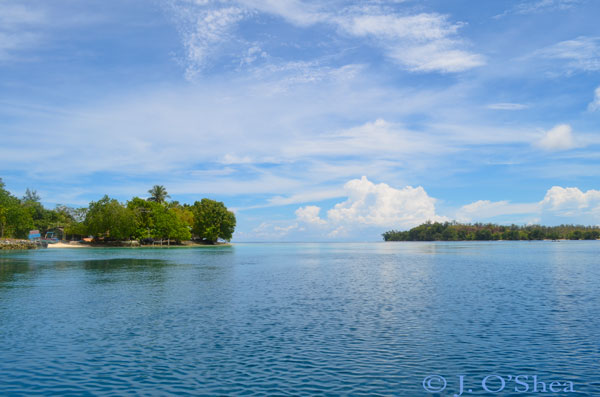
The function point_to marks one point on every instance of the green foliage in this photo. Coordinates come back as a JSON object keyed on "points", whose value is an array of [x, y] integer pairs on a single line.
{"points": [[32, 196], [452, 231], [158, 221], [144, 222], [212, 221], [168, 226], [15, 220], [109, 219], [158, 194]]}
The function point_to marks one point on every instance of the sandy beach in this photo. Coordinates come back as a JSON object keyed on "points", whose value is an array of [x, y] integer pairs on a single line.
{"points": [[68, 245]]}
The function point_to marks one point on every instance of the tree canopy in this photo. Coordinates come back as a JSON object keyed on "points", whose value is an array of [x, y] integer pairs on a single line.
{"points": [[212, 220], [110, 220], [452, 231]]}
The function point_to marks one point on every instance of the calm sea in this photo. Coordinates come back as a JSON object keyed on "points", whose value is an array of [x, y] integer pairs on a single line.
{"points": [[303, 319]]}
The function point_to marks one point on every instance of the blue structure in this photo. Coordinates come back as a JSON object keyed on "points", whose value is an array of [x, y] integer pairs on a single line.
{"points": [[34, 235]]}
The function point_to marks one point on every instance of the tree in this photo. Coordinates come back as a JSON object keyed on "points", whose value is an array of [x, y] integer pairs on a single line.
{"points": [[142, 212], [15, 221], [4, 206], [157, 220], [31, 195], [168, 226], [212, 221], [107, 217], [158, 194]]}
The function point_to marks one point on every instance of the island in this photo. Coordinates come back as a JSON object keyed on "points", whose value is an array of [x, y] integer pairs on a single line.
{"points": [[454, 231], [138, 221]]}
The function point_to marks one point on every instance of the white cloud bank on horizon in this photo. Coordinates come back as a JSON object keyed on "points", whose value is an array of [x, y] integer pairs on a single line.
{"points": [[376, 207], [558, 204], [367, 205]]}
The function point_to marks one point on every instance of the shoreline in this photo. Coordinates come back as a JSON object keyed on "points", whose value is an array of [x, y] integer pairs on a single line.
{"points": [[77, 245], [22, 244]]}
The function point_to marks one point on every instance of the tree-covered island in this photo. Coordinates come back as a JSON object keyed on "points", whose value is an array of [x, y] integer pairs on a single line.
{"points": [[109, 221], [453, 231]]}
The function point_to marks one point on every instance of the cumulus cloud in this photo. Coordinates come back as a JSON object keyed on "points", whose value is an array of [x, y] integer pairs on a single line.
{"points": [[309, 214], [595, 104], [570, 199], [368, 205], [382, 205], [558, 138], [559, 205], [371, 208]]}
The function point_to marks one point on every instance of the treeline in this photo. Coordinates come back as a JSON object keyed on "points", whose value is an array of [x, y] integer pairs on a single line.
{"points": [[453, 231], [110, 220]]}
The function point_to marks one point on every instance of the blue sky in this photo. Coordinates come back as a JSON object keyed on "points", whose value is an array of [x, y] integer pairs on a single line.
{"points": [[313, 120]]}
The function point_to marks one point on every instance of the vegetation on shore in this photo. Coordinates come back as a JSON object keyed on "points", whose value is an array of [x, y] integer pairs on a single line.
{"points": [[453, 231], [109, 220]]}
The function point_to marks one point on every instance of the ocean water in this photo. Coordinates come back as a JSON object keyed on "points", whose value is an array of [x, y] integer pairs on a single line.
{"points": [[303, 319]]}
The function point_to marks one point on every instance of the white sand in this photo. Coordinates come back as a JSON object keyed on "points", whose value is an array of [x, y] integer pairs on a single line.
{"points": [[67, 245]]}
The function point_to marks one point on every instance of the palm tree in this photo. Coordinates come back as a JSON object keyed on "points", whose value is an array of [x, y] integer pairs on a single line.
{"points": [[158, 193]]}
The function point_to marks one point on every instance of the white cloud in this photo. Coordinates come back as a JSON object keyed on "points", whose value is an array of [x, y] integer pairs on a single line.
{"points": [[204, 26], [532, 7], [483, 209], [414, 27], [595, 104], [558, 138], [559, 205], [304, 197], [370, 204], [379, 138], [425, 42], [507, 106], [375, 207], [436, 56], [309, 214], [297, 12], [272, 231], [580, 54], [569, 199]]}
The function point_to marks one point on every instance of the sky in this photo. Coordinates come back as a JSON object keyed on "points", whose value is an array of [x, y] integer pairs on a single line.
{"points": [[312, 120]]}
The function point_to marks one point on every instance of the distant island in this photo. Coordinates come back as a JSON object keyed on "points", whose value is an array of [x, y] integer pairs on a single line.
{"points": [[453, 231], [110, 222]]}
